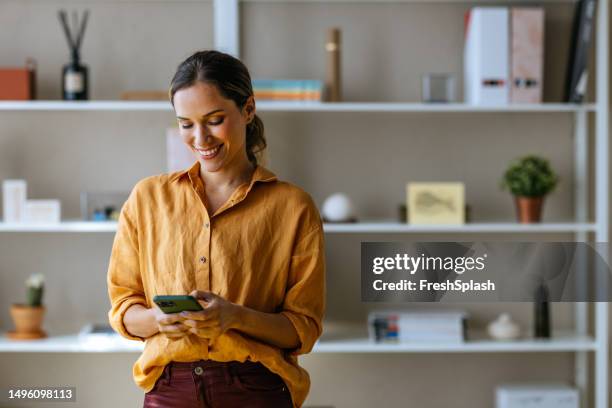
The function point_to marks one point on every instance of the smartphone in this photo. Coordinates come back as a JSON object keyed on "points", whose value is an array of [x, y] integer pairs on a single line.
{"points": [[177, 303]]}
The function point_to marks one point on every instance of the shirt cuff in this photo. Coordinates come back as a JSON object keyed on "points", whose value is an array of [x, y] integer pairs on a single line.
{"points": [[115, 317], [308, 331]]}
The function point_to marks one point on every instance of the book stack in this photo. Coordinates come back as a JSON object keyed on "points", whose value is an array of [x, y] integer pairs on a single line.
{"points": [[288, 89], [417, 326]]}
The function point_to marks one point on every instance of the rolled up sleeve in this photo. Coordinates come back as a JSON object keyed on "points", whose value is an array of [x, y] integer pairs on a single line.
{"points": [[124, 278], [304, 303]]}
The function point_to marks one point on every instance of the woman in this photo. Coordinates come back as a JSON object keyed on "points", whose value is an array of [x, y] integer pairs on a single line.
{"points": [[248, 246]]}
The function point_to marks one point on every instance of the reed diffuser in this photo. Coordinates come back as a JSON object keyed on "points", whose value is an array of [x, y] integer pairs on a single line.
{"points": [[74, 74]]}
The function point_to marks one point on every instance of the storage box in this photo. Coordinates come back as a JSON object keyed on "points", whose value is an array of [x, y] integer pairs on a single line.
{"points": [[18, 84], [42, 211], [14, 194], [537, 396]]}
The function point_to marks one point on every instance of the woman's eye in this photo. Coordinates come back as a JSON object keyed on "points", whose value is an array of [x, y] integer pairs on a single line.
{"points": [[185, 126], [216, 122]]}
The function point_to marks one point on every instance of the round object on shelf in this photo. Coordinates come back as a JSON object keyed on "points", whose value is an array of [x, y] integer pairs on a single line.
{"points": [[504, 328], [338, 208]]}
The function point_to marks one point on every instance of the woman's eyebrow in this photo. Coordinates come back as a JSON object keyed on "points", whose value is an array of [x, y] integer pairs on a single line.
{"points": [[208, 114]]}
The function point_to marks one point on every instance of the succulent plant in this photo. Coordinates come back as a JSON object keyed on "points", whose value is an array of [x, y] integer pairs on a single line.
{"points": [[35, 286]]}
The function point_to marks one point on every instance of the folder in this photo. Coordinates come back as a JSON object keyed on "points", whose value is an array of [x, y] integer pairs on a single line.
{"points": [[527, 33], [486, 56]]}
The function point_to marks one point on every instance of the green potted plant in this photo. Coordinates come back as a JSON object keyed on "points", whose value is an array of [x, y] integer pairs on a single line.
{"points": [[28, 317], [529, 179]]}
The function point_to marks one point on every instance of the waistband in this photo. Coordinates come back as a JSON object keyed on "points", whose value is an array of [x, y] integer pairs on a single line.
{"points": [[212, 363]]}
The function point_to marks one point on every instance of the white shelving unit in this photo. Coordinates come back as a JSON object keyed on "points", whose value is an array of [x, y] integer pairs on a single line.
{"points": [[580, 342]]}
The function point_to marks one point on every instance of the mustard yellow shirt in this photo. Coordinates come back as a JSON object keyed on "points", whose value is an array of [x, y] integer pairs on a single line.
{"points": [[264, 249]]}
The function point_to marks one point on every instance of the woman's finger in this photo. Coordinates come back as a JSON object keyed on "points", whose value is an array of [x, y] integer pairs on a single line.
{"points": [[170, 318], [201, 315], [199, 323]]}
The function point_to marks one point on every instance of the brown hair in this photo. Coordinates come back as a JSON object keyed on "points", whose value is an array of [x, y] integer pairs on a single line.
{"points": [[232, 79]]}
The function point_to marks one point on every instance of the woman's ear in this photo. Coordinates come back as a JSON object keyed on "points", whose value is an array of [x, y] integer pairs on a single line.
{"points": [[249, 109]]}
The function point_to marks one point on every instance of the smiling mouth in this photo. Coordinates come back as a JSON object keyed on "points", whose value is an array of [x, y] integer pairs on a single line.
{"points": [[209, 153]]}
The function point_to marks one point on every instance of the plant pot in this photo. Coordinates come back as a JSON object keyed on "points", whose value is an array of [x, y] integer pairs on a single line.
{"points": [[28, 322], [529, 209]]}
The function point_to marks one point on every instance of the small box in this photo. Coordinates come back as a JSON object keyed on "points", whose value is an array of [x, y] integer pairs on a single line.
{"points": [[42, 211], [18, 84], [536, 396], [13, 199]]}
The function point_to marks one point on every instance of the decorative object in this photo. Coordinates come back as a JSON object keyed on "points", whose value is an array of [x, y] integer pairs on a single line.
{"points": [[436, 203], [178, 155], [402, 213], [18, 84], [75, 84], [42, 211], [338, 208], [333, 79], [536, 395], [504, 328], [102, 206], [529, 179], [287, 89], [14, 193], [28, 317], [541, 313], [438, 88]]}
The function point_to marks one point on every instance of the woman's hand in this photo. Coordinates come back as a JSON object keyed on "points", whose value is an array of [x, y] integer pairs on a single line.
{"points": [[171, 324], [218, 316]]}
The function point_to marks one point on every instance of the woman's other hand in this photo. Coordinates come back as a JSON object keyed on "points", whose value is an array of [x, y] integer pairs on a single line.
{"points": [[218, 316], [170, 324]]}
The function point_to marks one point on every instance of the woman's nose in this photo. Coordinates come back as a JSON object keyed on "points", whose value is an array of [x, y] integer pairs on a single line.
{"points": [[202, 137]]}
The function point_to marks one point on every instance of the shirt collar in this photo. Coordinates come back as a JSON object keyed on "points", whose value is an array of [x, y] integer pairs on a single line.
{"points": [[260, 174]]}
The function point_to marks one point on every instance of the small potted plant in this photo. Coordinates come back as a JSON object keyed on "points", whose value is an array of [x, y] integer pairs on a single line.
{"points": [[28, 317], [529, 179]]}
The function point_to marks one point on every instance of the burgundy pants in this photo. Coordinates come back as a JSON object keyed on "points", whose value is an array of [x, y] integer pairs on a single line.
{"points": [[214, 384]]}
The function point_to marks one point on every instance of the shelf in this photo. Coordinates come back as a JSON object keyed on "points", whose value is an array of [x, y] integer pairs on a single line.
{"points": [[339, 228], [117, 344], [278, 106], [65, 226], [489, 227], [560, 343], [71, 344]]}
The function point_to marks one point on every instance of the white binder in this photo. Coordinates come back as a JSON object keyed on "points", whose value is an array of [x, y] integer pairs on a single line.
{"points": [[486, 56]]}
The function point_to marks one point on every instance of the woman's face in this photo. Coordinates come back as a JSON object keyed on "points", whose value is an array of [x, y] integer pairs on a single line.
{"points": [[212, 126]]}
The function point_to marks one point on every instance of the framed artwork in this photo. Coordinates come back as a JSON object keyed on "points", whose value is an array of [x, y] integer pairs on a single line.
{"points": [[436, 203]]}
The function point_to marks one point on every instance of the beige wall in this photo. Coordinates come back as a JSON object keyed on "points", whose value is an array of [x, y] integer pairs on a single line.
{"points": [[134, 44]]}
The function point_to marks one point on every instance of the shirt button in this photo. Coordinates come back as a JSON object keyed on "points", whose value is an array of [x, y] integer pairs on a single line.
{"points": [[206, 225], [203, 259], [198, 370]]}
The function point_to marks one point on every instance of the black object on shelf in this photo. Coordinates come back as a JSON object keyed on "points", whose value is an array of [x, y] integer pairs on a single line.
{"points": [[577, 67], [542, 313], [75, 84]]}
